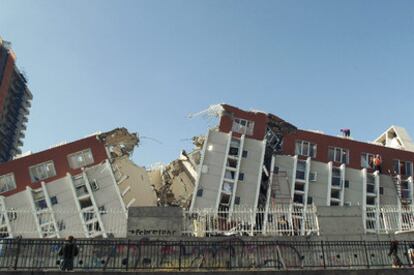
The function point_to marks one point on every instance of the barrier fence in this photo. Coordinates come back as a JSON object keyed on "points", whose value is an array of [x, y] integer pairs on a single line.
{"points": [[283, 220], [234, 254], [390, 219]]}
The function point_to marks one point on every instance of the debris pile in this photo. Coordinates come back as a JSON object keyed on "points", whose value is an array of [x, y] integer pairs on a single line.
{"points": [[120, 142], [174, 183]]}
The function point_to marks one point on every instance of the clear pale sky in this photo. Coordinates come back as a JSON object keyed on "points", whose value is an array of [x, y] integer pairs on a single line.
{"points": [[145, 65]]}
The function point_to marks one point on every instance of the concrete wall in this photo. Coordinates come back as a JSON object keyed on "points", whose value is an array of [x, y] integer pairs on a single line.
{"points": [[251, 167], [154, 222], [66, 205], [212, 169], [137, 181]]}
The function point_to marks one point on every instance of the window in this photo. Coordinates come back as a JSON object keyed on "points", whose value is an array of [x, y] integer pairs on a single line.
{"points": [[244, 154], [237, 200], [94, 185], [41, 204], [80, 159], [337, 154], [7, 183], [61, 225], [102, 210], [346, 183], [42, 171], [367, 160], [243, 126], [336, 176], [241, 176], [404, 168], [313, 176], [234, 147], [305, 148], [310, 200], [199, 192], [300, 170], [53, 200]]}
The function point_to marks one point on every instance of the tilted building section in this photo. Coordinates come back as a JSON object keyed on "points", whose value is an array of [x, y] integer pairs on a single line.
{"points": [[82, 188], [256, 162]]}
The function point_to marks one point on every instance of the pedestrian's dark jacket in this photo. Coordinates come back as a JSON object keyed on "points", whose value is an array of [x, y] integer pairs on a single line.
{"points": [[69, 250]]}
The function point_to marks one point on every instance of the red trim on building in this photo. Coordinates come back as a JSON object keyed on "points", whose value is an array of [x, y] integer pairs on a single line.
{"points": [[20, 166], [356, 148], [260, 121]]}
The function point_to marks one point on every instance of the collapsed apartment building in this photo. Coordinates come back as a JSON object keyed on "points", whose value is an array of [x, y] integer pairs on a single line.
{"points": [[253, 173], [82, 188], [260, 174]]}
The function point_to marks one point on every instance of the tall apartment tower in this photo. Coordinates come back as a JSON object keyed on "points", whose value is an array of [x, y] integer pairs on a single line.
{"points": [[15, 98]]}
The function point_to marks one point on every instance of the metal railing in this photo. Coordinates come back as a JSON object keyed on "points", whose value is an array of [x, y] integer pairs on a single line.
{"points": [[45, 223], [231, 254], [284, 220], [391, 219]]}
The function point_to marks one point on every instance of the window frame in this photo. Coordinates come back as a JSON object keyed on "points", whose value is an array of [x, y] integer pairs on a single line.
{"points": [[341, 151], [45, 163], [302, 162], [243, 126], [84, 162], [300, 145], [13, 180], [368, 155]]}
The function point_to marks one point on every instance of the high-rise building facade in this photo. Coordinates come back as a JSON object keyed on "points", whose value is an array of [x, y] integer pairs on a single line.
{"points": [[15, 98]]}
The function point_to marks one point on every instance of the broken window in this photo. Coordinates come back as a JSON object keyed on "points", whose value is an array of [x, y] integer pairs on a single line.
{"points": [[42, 171], [305, 148], [80, 159]]}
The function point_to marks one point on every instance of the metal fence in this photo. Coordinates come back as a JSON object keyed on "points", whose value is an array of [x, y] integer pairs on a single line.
{"points": [[234, 254], [390, 219], [59, 224], [283, 220]]}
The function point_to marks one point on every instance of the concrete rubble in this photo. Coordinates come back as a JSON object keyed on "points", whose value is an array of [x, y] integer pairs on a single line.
{"points": [[174, 183]]}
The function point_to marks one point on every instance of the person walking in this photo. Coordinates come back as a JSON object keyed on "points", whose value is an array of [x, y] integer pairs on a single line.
{"points": [[68, 252], [396, 261]]}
